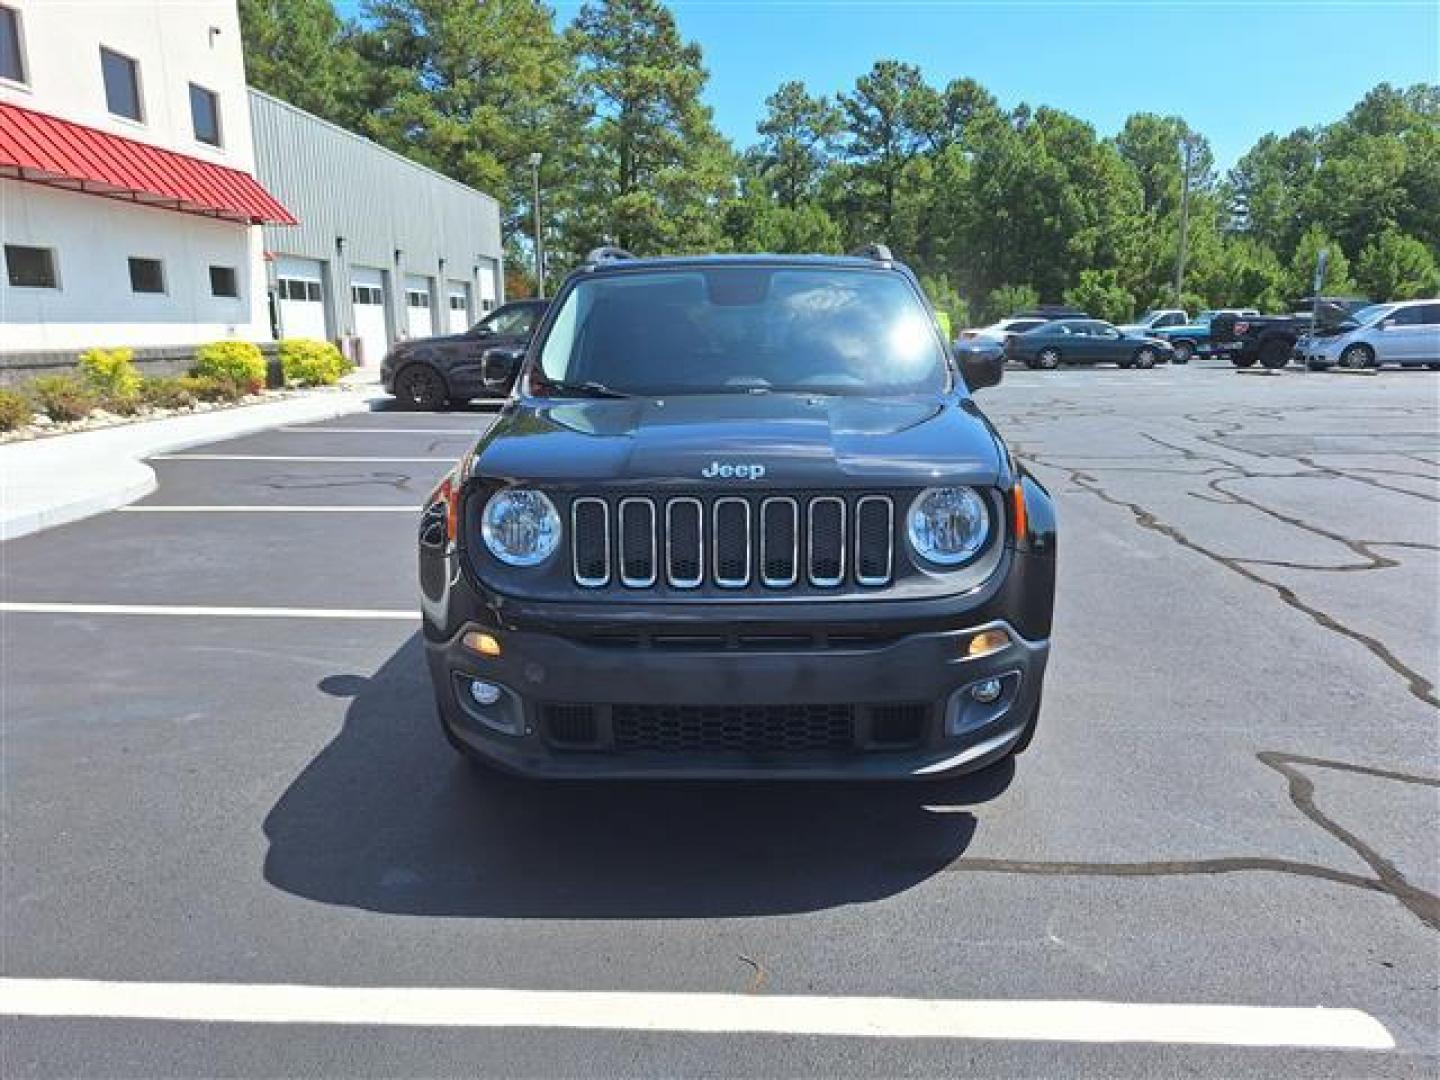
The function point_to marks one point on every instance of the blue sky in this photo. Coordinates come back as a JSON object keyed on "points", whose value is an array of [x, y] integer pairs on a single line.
{"points": [[1234, 70]]}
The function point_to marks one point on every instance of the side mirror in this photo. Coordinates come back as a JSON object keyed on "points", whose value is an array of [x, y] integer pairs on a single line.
{"points": [[982, 369], [498, 368], [1387, 324], [484, 330]]}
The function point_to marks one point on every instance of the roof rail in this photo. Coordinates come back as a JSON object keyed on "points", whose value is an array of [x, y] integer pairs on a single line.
{"points": [[607, 254], [879, 252]]}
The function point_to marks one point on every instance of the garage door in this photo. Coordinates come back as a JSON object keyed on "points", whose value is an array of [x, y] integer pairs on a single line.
{"points": [[489, 292], [418, 319], [367, 299], [302, 298], [459, 301]]}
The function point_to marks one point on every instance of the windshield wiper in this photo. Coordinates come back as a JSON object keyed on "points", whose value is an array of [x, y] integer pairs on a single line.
{"points": [[589, 388]]}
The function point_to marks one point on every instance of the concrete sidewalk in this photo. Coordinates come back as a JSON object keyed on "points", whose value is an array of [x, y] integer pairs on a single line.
{"points": [[47, 482]]}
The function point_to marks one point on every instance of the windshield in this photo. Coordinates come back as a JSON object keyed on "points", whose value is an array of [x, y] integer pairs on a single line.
{"points": [[1370, 314], [735, 329]]}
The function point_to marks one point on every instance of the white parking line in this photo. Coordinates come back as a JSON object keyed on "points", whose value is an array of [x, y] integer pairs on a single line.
{"points": [[183, 610], [236, 509], [291, 457], [873, 1017]]}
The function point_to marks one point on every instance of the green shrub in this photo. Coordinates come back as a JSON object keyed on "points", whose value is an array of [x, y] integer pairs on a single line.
{"points": [[311, 363], [62, 397], [166, 392], [239, 363], [110, 372], [212, 388], [15, 410]]}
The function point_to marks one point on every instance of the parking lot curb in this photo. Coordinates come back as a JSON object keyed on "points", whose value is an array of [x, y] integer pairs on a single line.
{"points": [[65, 478]]}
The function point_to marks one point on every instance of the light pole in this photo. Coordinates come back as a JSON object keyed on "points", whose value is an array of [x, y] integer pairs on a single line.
{"points": [[535, 160], [1189, 143]]}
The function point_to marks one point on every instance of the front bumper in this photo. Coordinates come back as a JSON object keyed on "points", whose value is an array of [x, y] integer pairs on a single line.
{"points": [[926, 676]]}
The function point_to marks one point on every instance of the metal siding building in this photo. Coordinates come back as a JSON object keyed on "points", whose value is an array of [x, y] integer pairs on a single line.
{"points": [[385, 249]]}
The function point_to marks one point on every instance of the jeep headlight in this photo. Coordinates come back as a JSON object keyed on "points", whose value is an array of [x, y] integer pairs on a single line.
{"points": [[948, 525], [521, 527]]}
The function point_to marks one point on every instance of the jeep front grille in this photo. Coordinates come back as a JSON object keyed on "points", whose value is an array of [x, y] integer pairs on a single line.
{"points": [[733, 541]]}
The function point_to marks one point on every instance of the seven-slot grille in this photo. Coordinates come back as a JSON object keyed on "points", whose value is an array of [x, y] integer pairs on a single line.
{"points": [[733, 541]]}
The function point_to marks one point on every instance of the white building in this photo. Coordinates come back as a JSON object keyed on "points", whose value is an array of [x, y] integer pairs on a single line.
{"points": [[132, 200], [128, 204]]}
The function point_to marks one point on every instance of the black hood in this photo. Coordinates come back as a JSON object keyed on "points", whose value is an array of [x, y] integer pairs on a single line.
{"points": [[796, 441]]}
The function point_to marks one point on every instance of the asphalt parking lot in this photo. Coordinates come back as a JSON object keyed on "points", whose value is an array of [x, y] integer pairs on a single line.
{"points": [[1232, 799]]}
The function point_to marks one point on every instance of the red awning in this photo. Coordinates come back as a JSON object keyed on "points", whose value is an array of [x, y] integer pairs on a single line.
{"points": [[46, 150]]}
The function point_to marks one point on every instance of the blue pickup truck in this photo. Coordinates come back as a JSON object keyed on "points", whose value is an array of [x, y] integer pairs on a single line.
{"points": [[1193, 338]]}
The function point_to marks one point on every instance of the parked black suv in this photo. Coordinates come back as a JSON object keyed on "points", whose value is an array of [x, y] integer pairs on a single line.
{"points": [[741, 519], [430, 373]]}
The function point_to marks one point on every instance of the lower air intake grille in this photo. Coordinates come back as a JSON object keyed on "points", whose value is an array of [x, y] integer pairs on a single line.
{"points": [[755, 728]]}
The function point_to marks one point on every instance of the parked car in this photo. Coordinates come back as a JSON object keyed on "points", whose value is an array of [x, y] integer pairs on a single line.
{"points": [[989, 341], [996, 331], [741, 518], [1406, 333], [1085, 341], [430, 373], [1193, 338], [1270, 339], [1156, 319]]}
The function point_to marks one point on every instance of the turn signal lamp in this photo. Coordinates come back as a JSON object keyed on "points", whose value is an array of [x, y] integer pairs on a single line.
{"points": [[1021, 519], [986, 642], [484, 644]]}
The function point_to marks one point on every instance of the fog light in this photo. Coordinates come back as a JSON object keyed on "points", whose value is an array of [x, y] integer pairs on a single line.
{"points": [[986, 690], [484, 644], [986, 642], [486, 693]]}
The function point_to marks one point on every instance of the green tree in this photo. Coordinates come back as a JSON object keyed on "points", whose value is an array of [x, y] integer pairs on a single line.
{"points": [[1005, 300], [1300, 279], [797, 137], [944, 298], [472, 90], [301, 52], [755, 222], [891, 117], [1394, 266], [1099, 293], [659, 171]]}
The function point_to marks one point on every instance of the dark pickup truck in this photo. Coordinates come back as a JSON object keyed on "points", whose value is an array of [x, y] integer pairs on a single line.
{"points": [[1270, 339]]}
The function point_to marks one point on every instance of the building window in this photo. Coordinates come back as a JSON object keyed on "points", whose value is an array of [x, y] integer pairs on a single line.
{"points": [[31, 267], [366, 294], [298, 289], [122, 84], [457, 302], [205, 114], [223, 281], [146, 275], [417, 298], [12, 59]]}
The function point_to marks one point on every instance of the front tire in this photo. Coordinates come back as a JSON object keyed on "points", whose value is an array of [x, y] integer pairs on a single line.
{"points": [[1242, 361], [420, 386], [1184, 350], [1048, 359], [1144, 358], [1357, 356]]}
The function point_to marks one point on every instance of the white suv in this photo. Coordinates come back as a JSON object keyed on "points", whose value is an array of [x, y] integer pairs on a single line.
{"points": [[1406, 333]]}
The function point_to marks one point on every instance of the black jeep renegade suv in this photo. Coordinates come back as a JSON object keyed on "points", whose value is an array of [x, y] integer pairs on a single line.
{"points": [[739, 518]]}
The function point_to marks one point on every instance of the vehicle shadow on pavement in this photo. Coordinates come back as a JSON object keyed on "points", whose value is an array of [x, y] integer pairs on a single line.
{"points": [[387, 818]]}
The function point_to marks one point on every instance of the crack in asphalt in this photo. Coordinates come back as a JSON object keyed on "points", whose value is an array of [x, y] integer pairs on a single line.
{"points": [[298, 482], [1387, 880], [1418, 684], [1084, 480]]}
